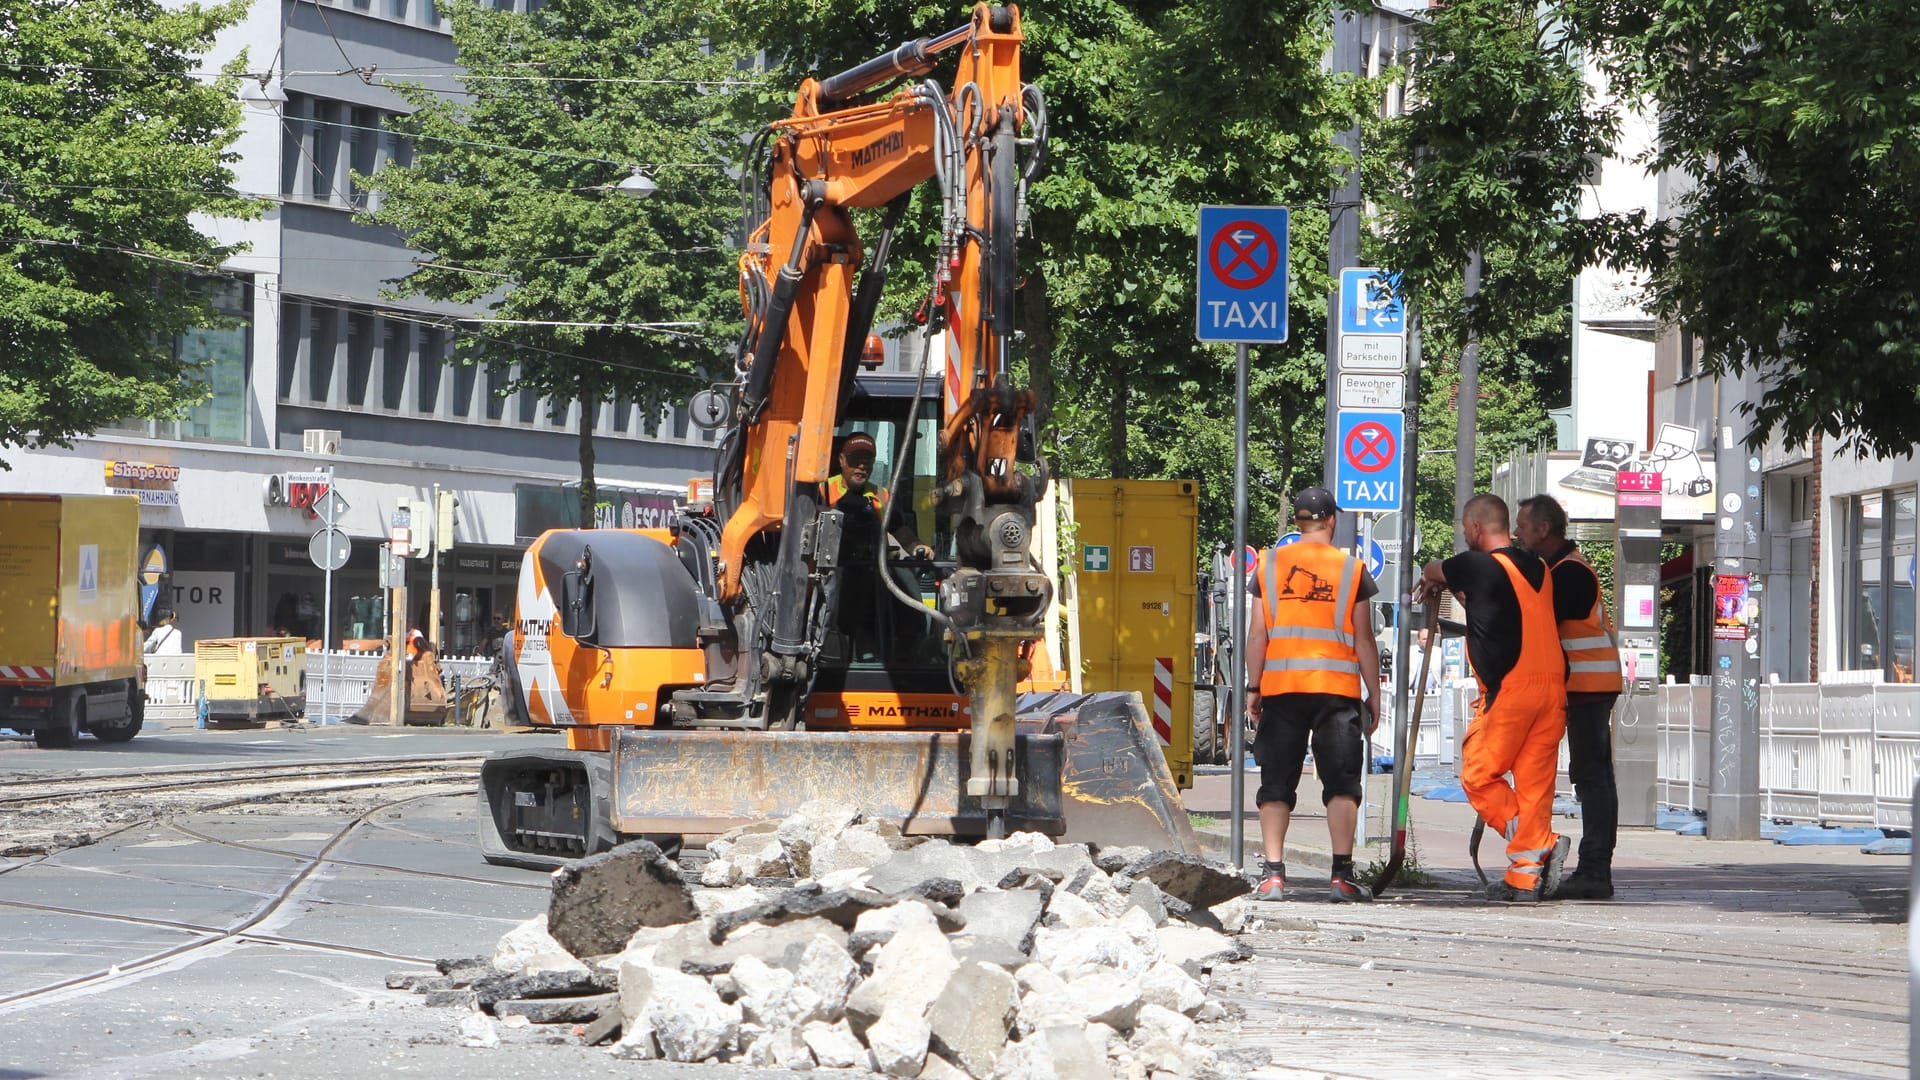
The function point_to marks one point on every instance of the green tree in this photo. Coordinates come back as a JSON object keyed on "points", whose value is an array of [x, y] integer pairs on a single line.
{"points": [[1794, 135], [109, 142], [594, 296]]}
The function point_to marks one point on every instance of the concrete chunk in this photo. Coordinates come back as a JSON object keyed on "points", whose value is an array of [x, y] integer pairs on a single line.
{"points": [[834, 1045], [1198, 882], [598, 902], [970, 1019], [1010, 917], [780, 946], [1196, 950], [1232, 915], [1106, 998], [1073, 953], [689, 1020], [1154, 1022], [898, 1040], [1116, 858], [856, 847], [1170, 987], [573, 1010], [829, 971], [1054, 1053], [529, 948], [770, 997], [1098, 891], [1066, 911], [542, 984], [969, 949], [1147, 896], [911, 968]]}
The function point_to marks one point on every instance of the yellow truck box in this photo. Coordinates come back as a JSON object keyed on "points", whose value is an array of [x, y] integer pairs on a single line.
{"points": [[69, 617], [1136, 569]]}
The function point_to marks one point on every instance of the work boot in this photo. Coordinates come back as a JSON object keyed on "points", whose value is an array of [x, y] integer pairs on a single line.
{"points": [[1501, 892], [1342, 889], [1273, 882], [1552, 870], [1586, 884]]}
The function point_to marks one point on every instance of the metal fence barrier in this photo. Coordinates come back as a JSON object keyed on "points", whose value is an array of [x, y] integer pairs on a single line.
{"points": [[347, 676], [1830, 753], [171, 694]]}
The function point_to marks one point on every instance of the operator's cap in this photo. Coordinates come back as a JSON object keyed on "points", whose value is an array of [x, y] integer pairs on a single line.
{"points": [[858, 438], [1314, 503]]}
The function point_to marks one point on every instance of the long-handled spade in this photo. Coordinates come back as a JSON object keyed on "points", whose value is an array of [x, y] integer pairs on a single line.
{"points": [[1403, 757]]}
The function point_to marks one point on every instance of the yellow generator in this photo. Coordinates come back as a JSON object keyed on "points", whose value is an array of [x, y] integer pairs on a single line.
{"points": [[250, 679], [1131, 607]]}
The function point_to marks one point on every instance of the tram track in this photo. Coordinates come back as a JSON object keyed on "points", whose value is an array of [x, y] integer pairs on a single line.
{"points": [[300, 776], [207, 937]]}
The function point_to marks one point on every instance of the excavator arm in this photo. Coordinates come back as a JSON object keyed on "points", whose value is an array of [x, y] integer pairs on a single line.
{"points": [[809, 307]]}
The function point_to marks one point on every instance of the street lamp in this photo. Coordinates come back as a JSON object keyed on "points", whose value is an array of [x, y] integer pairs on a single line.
{"points": [[637, 186], [268, 95]]}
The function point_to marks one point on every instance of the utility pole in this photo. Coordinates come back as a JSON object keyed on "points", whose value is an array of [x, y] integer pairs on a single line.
{"points": [[1466, 444], [435, 547], [402, 535], [1343, 250], [1733, 788]]}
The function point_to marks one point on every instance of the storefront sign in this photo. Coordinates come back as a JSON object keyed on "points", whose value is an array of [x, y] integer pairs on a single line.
{"points": [[151, 484], [204, 601], [537, 508], [473, 564], [299, 490]]}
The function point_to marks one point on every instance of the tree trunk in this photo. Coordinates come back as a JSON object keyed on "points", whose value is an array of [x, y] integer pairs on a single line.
{"points": [[589, 492], [1288, 414], [1465, 462], [1117, 418]]}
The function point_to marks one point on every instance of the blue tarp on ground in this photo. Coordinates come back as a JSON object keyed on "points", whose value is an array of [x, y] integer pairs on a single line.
{"points": [[1889, 846], [1447, 793], [1814, 835], [1683, 822], [1774, 830], [1566, 808]]}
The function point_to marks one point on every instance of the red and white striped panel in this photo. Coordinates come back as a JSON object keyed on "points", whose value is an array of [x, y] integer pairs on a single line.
{"points": [[25, 674], [1163, 699]]}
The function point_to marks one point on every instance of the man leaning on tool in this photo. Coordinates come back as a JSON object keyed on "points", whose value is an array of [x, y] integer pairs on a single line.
{"points": [[1310, 650], [1513, 643], [1593, 685]]}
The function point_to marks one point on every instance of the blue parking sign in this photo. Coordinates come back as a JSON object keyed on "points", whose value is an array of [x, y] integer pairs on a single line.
{"points": [[1370, 302], [1243, 275]]}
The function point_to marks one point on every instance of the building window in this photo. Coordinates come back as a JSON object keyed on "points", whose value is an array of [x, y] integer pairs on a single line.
{"points": [[1799, 499], [225, 353], [1880, 614], [396, 352], [1689, 362], [432, 365], [321, 345], [359, 358]]}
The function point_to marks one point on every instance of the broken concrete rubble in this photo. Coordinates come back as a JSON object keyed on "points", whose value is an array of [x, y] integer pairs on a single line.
{"points": [[913, 958], [598, 902]]}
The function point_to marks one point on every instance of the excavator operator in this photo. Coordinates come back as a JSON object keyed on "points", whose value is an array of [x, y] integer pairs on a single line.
{"points": [[853, 492]]}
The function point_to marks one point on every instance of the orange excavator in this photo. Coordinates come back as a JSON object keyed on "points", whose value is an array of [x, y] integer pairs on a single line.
{"points": [[851, 606]]}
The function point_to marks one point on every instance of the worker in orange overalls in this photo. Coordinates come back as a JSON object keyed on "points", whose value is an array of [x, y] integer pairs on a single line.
{"points": [[1313, 674], [1593, 686], [1513, 642]]}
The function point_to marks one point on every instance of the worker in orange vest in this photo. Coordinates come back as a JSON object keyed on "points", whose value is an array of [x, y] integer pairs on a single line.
{"points": [[1313, 674], [1593, 686], [1513, 642]]}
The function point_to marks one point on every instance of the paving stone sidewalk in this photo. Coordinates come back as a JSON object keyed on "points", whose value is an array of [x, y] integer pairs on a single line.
{"points": [[1715, 959]]}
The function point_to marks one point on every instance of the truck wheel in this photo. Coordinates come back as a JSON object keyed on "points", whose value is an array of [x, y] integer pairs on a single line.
{"points": [[63, 725], [1205, 724], [127, 726]]}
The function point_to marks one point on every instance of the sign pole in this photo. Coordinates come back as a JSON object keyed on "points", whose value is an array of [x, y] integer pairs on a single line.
{"points": [[1410, 567], [1236, 739], [326, 606]]}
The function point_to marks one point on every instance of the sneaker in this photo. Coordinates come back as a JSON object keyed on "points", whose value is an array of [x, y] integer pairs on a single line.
{"points": [[1582, 885], [1554, 868], [1271, 887], [1501, 892], [1343, 890]]}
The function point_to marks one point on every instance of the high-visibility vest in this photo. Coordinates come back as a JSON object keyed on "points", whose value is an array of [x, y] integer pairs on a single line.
{"points": [[1540, 654], [1593, 657], [837, 490], [1306, 594]]}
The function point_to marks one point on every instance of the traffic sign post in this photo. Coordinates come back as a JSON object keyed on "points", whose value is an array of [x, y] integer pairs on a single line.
{"points": [[1241, 298], [1243, 275], [1367, 469]]}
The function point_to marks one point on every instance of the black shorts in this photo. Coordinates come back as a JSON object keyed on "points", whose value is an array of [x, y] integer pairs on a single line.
{"points": [[1337, 729]]}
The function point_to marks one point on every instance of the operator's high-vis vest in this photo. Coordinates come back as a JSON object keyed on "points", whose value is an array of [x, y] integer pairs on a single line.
{"points": [[1593, 659], [1306, 596], [1540, 655], [837, 490]]}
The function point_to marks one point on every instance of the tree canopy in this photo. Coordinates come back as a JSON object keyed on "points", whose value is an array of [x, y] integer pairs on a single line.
{"points": [[595, 296], [110, 140]]}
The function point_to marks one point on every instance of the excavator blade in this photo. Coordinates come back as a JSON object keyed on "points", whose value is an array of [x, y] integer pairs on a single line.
{"points": [[1116, 788], [699, 783]]}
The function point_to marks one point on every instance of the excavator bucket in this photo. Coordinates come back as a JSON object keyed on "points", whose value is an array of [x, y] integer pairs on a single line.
{"points": [[1092, 767], [699, 783], [1115, 787]]}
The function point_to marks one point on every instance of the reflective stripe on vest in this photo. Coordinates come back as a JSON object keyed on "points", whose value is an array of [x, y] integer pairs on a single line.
{"points": [[1593, 660], [1307, 592], [1540, 653]]}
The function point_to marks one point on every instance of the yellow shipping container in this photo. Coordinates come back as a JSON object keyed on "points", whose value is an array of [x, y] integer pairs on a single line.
{"points": [[1136, 563]]}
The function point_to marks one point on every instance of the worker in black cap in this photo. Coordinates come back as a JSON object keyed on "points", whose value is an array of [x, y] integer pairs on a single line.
{"points": [[1313, 676]]}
